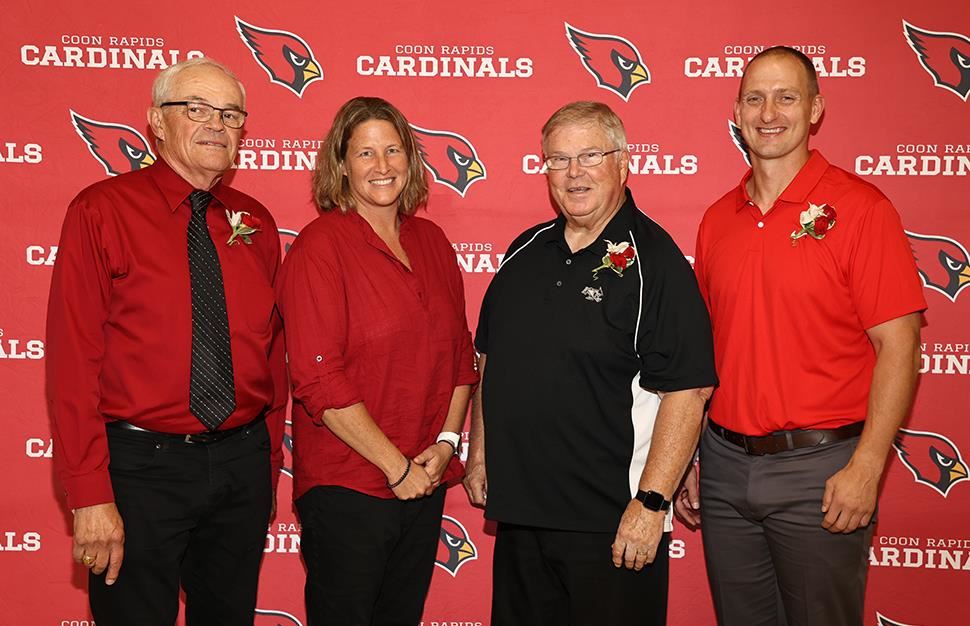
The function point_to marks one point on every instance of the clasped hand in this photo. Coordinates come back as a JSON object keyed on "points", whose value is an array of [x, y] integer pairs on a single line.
{"points": [[426, 472]]}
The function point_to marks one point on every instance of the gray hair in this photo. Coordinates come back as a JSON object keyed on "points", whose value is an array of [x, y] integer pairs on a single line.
{"points": [[586, 112], [162, 87]]}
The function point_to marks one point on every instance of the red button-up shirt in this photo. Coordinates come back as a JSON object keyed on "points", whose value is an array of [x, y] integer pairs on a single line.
{"points": [[790, 322], [362, 327], [119, 325]]}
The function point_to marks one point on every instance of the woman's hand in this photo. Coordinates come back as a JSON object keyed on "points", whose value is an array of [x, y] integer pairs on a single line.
{"points": [[435, 459], [415, 485]]}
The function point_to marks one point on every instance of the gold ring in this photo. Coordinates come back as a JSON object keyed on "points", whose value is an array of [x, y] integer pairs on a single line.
{"points": [[88, 560]]}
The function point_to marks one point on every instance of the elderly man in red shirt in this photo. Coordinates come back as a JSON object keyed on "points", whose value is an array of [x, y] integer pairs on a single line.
{"points": [[166, 375], [815, 302]]}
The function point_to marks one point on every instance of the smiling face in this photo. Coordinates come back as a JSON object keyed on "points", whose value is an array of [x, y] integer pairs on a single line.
{"points": [[586, 193], [776, 108], [200, 152], [376, 166]]}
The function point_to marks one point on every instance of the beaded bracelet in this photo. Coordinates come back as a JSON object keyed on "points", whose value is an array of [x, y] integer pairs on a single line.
{"points": [[407, 470]]}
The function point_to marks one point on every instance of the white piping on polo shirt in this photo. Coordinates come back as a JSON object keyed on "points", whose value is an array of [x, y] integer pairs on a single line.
{"points": [[522, 247], [636, 330], [643, 411]]}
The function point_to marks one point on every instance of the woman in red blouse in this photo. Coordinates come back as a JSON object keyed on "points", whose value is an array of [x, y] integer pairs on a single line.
{"points": [[382, 365]]}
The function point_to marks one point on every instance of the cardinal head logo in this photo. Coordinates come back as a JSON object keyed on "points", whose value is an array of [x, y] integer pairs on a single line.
{"points": [[455, 547], [942, 262], [735, 132], [119, 148], [285, 56], [450, 158], [933, 459], [945, 56], [614, 61]]}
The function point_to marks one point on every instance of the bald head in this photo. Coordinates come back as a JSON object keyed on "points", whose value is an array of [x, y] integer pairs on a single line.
{"points": [[811, 75]]}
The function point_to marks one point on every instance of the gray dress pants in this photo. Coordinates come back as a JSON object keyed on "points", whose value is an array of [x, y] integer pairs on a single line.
{"points": [[769, 561]]}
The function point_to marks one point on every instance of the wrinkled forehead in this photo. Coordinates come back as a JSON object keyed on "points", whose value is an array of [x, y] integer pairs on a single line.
{"points": [[209, 84]]}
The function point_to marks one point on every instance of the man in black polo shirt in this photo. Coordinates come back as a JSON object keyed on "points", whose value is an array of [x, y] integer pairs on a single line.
{"points": [[600, 361]]}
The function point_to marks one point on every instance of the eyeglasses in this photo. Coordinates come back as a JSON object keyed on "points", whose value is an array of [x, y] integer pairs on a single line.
{"points": [[201, 112], [586, 159]]}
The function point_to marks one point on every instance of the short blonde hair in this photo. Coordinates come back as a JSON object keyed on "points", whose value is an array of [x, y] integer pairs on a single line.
{"points": [[587, 112], [811, 74], [331, 189]]}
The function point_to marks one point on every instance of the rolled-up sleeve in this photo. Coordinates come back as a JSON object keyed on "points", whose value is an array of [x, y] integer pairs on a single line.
{"points": [[76, 315], [467, 372], [313, 303]]}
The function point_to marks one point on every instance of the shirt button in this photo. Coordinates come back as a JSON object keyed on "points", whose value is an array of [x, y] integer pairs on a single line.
{"points": [[319, 358], [558, 283], [761, 224], [569, 261]]}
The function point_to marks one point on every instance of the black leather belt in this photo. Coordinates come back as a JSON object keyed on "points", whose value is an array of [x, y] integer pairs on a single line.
{"points": [[196, 438], [785, 440]]}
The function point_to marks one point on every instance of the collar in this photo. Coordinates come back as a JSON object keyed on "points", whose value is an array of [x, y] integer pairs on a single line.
{"points": [[798, 189], [176, 189], [616, 230]]}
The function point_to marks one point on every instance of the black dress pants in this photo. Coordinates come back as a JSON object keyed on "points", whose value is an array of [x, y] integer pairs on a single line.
{"points": [[543, 577], [369, 560], [195, 515]]}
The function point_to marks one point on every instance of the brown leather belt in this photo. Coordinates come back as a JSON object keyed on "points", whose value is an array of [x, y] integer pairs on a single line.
{"points": [[197, 438], [785, 440]]}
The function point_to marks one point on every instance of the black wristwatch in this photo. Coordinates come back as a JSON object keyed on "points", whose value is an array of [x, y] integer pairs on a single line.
{"points": [[652, 500]]}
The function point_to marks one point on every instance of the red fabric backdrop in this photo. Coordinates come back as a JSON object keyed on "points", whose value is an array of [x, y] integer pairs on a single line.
{"points": [[78, 76]]}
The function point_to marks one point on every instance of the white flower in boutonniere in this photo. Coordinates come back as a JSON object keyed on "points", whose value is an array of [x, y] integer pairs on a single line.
{"points": [[619, 256], [816, 222], [243, 225]]}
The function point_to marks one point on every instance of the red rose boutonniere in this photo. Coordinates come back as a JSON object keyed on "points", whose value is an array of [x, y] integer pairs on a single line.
{"points": [[619, 256], [243, 225], [816, 222]]}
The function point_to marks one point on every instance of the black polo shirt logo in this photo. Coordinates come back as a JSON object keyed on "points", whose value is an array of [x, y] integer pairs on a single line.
{"points": [[593, 294]]}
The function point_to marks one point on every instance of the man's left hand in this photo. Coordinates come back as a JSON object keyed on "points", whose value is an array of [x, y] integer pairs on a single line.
{"points": [[638, 536], [435, 459], [850, 497]]}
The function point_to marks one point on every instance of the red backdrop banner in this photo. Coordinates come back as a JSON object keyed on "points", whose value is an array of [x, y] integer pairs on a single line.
{"points": [[481, 81]]}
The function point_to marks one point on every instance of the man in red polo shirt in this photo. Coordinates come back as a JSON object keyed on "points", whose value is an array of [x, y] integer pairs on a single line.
{"points": [[815, 302]]}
